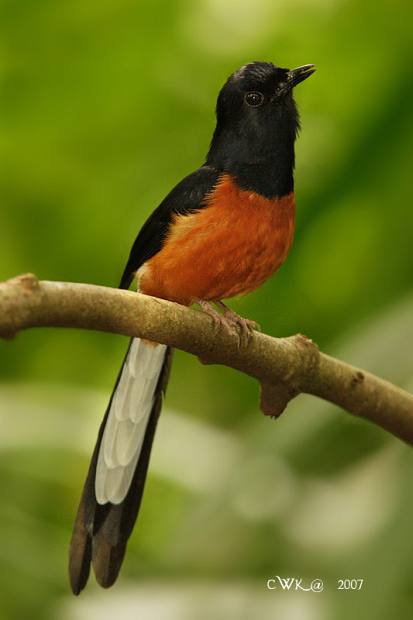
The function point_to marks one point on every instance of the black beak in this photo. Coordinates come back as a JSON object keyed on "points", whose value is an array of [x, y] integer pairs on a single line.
{"points": [[295, 76]]}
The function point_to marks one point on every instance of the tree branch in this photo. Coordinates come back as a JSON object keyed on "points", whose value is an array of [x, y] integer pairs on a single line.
{"points": [[284, 367]]}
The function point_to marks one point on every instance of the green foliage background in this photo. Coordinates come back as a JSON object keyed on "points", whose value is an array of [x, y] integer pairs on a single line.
{"points": [[104, 106]]}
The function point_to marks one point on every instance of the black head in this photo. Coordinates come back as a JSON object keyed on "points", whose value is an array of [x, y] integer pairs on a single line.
{"points": [[257, 123]]}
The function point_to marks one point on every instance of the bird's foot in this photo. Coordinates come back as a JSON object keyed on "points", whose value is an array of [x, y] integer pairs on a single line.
{"points": [[229, 320], [245, 327], [219, 319]]}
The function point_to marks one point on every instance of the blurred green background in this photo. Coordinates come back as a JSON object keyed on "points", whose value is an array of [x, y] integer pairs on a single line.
{"points": [[105, 105]]}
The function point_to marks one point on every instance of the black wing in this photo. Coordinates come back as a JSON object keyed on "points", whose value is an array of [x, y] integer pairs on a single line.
{"points": [[186, 197]]}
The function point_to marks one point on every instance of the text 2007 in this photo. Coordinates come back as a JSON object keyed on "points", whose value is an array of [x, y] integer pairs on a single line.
{"points": [[350, 584]]}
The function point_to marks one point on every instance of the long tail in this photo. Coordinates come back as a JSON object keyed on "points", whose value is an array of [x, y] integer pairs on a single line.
{"points": [[114, 485]]}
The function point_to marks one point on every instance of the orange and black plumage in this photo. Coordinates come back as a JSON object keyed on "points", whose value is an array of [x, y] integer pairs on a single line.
{"points": [[222, 231]]}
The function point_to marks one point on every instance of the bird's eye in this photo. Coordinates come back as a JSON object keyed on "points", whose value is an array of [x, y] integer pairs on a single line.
{"points": [[254, 99]]}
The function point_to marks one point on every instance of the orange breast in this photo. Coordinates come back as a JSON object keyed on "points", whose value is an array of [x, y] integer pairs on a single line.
{"points": [[230, 247]]}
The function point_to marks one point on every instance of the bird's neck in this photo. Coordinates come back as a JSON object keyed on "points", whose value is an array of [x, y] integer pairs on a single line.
{"points": [[264, 165]]}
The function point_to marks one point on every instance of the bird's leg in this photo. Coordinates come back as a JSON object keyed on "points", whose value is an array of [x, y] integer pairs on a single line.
{"points": [[245, 326]]}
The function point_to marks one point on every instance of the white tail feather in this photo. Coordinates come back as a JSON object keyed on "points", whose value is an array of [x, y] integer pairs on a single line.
{"points": [[127, 421]]}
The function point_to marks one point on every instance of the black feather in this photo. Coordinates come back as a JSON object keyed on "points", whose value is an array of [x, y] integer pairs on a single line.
{"points": [[101, 532], [186, 197]]}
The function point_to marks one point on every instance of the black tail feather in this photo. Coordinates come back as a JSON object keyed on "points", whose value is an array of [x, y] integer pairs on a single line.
{"points": [[101, 532]]}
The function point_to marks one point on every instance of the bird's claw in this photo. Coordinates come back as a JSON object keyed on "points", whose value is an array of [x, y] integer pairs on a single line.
{"points": [[230, 321], [245, 327]]}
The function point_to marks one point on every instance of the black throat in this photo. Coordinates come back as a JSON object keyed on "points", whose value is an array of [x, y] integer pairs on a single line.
{"points": [[259, 156]]}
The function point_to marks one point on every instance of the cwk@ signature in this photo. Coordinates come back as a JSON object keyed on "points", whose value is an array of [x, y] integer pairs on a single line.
{"points": [[294, 583]]}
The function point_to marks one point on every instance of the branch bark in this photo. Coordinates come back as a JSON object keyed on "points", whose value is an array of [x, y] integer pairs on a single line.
{"points": [[285, 367]]}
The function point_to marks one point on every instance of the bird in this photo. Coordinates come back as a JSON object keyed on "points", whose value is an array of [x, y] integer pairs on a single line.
{"points": [[221, 232]]}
